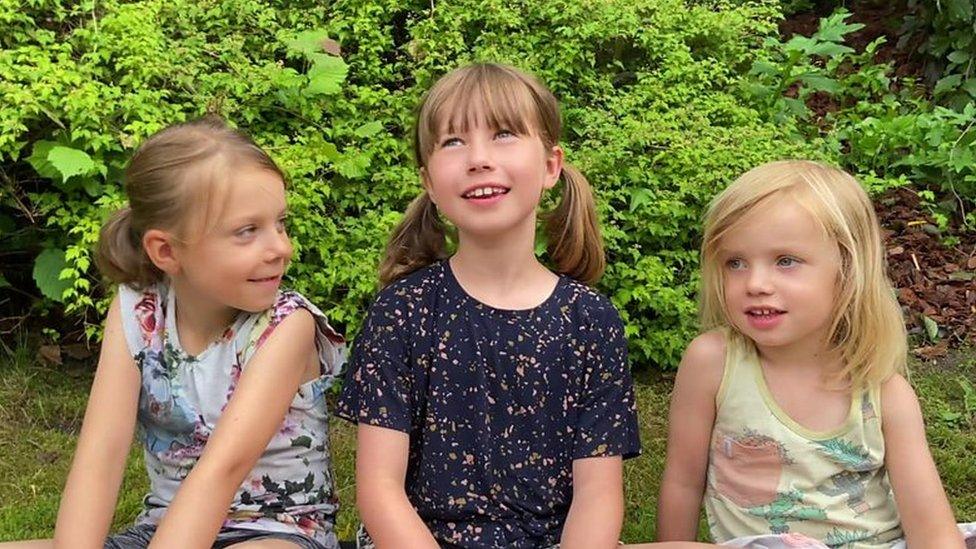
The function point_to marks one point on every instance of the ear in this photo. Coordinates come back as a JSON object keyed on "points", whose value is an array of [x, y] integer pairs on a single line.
{"points": [[554, 167], [161, 248], [425, 181]]}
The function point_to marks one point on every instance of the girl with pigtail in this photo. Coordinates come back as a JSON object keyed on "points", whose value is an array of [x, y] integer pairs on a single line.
{"points": [[223, 373], [492, 394]]}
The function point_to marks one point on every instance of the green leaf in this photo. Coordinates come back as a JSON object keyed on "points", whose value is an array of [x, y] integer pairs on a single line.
{"points": [[947, 84], [47, 271], [3, 282], [640, 197], [968, 395], [931, 328], [38, 159], [326, 75], [834, 29], [969, 86], [959, 10], [352, 166], [308, 42], [821, 83], [369, 129], [70, 162], [828, 49], [959, 57]]}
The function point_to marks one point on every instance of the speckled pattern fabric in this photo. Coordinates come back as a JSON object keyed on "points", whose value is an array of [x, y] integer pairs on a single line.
{"points": [[497, 403]]}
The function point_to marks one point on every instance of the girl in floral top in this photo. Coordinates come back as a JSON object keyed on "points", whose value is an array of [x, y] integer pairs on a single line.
{"points": [[223, 372], [492, 395]]}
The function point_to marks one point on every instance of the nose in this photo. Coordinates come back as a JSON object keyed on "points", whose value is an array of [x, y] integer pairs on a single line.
{"points": [[279, 247], [759, 281], [479, 156]]}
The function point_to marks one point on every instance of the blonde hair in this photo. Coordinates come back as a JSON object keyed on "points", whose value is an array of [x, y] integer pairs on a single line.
{"points": [[509, 98], [866, 327], [173, 176]]}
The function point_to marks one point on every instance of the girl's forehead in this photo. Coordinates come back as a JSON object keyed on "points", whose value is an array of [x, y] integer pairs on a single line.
{"points": [[777, 221]]}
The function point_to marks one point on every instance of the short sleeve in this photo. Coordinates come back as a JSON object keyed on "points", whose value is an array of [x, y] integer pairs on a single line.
{"points": [[378, 385], [329, 343], [607, 415], [143, 321]]}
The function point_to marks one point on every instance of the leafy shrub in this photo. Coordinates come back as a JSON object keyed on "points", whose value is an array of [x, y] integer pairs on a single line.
{"points": [[943, 31], [651, 91]]}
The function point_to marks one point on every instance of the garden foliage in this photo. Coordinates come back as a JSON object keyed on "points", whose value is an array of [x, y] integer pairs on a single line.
{"points": [[664, 101]]}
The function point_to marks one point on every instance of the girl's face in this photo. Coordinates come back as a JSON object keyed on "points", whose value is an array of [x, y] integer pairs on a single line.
{"points": [[780, 276], [488, 181], [237, 264]]}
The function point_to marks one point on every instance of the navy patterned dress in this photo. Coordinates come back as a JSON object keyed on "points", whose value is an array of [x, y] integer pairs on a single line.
{"points": [[497, 403]]}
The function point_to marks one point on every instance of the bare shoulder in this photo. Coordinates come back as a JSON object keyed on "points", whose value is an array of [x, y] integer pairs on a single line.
{"points": [[703, 363], [898, 399]]}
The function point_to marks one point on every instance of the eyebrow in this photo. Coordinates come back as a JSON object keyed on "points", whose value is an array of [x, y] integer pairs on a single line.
{"points": [[244, 220]]}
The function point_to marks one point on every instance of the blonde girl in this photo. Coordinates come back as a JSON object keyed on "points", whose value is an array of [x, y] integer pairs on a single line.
{"points": [[223, 372], [791, 414], [492, 394]]}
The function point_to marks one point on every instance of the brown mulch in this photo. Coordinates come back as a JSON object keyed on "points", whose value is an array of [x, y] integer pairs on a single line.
{"points": [[933, 280]]}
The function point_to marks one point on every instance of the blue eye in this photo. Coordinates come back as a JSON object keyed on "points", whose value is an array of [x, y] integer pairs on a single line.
{"points": [[504, 133], [735, 264], [450, 142], [787, 262]]}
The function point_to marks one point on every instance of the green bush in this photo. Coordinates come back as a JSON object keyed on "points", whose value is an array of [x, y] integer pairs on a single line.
{"points": [[651, 91], [943, 32]]}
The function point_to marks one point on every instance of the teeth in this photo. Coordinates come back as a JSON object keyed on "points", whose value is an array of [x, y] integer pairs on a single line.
{"points": [[484, 191]]}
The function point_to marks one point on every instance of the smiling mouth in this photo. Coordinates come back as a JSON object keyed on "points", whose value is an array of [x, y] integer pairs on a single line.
{"points": [[486, 191]]}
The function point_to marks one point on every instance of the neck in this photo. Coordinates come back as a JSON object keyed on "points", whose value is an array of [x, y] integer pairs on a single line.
{"points": [[502, 270], [199, 321], [812, 354]]}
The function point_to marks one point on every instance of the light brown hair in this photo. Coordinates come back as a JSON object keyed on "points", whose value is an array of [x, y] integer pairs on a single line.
{"points": [[866, 327], [507, 98], [173, 178]]}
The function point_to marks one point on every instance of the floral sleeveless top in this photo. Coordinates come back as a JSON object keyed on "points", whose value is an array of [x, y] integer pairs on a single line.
{"points": [[291, 488], [768, 474]]}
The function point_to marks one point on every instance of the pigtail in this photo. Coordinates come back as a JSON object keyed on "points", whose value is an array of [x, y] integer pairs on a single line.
{"points": [[120, 256], [573, 230], [418, 241]]}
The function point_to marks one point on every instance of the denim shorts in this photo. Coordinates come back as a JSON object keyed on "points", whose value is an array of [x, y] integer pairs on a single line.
{"points": [[139, 536]]}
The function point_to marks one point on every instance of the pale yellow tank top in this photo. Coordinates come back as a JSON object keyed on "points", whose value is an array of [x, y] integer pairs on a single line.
{"points": [[769, 475]]}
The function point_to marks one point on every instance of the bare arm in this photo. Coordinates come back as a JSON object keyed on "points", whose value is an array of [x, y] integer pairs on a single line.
{"points": [[925, 513], [253, 415], [92, 488], [597, 510], [690, 422], [381, 470]]}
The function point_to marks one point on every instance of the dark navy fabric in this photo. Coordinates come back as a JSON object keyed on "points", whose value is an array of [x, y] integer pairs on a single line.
{"points": [[497, 403]]}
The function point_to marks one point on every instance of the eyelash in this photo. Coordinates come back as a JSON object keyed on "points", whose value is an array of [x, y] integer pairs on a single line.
{"points": [[450, 140], [735, 262], [245, 232]]}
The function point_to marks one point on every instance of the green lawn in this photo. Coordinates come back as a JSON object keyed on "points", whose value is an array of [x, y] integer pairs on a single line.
{"points": [[41, 408]]}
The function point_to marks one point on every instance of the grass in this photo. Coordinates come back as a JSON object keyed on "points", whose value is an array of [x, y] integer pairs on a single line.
{"points": [[42, 405]]}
